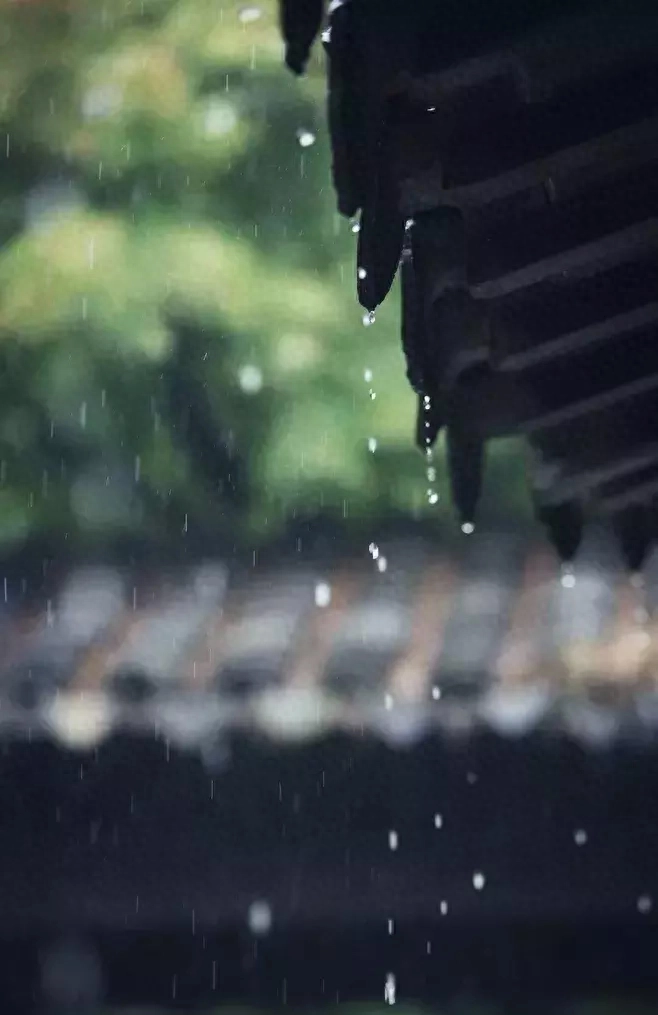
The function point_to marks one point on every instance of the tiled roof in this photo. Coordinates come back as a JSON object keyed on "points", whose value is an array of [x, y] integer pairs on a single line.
{"points": [[506, 154], [403, 639]]}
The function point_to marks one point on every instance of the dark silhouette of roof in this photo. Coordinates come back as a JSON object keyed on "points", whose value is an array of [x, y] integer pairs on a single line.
{"points": [[503, 158]]}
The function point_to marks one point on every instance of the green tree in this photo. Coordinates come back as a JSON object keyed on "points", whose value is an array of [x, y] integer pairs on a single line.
{"points": [[181, 347]]}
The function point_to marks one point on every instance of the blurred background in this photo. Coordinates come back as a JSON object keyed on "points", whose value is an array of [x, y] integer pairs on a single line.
{"points": [[183, 357], [209, 483]]}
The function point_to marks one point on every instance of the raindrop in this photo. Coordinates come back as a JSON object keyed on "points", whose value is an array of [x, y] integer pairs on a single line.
{"points": [[431, 474], [138, 468], [326, 36], [431, 109], [468, 528], [373, 550], [322, 594], [368, 318], [305, 138], [250, 379], [372, 445], [367, 375], [259, 917], [389, 989], [362, 273], [438, 821], [645, 904], [479, 881], [83, 415], [382, 564], [432, 496], [391, 926], [247, 15], [388, 702], [220, 117], [101, 101], [355, 227], [436, 692], [373, 395], [568, 578], [443, 908], [580, 837], [393, 840]]}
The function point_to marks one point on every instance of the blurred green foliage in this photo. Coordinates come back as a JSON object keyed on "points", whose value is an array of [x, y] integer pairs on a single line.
{"points": [[181, 345]]}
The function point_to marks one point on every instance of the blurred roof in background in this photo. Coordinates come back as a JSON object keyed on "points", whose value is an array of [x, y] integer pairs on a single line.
{"points": [[403, 638]]}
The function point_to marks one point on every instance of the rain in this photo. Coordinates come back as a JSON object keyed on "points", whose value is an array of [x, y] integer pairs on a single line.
{"points": [[328, 507]]}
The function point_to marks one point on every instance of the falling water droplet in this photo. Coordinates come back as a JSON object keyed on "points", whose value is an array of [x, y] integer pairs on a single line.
{"points": [[580, 837], [568, 578], [250, 379], [436, 692], [259, 917], [372, 445], [368, 318], [468, 528], [373, 550], [355, 227], [305, 138], [432, 496], [389, 989], [393, 840], [362, 273], [438, 821], [645, 904], [443, 908], [322, 594], [388, 702], [479, 881], [391, 926], [247, 15], [382, 564]]}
